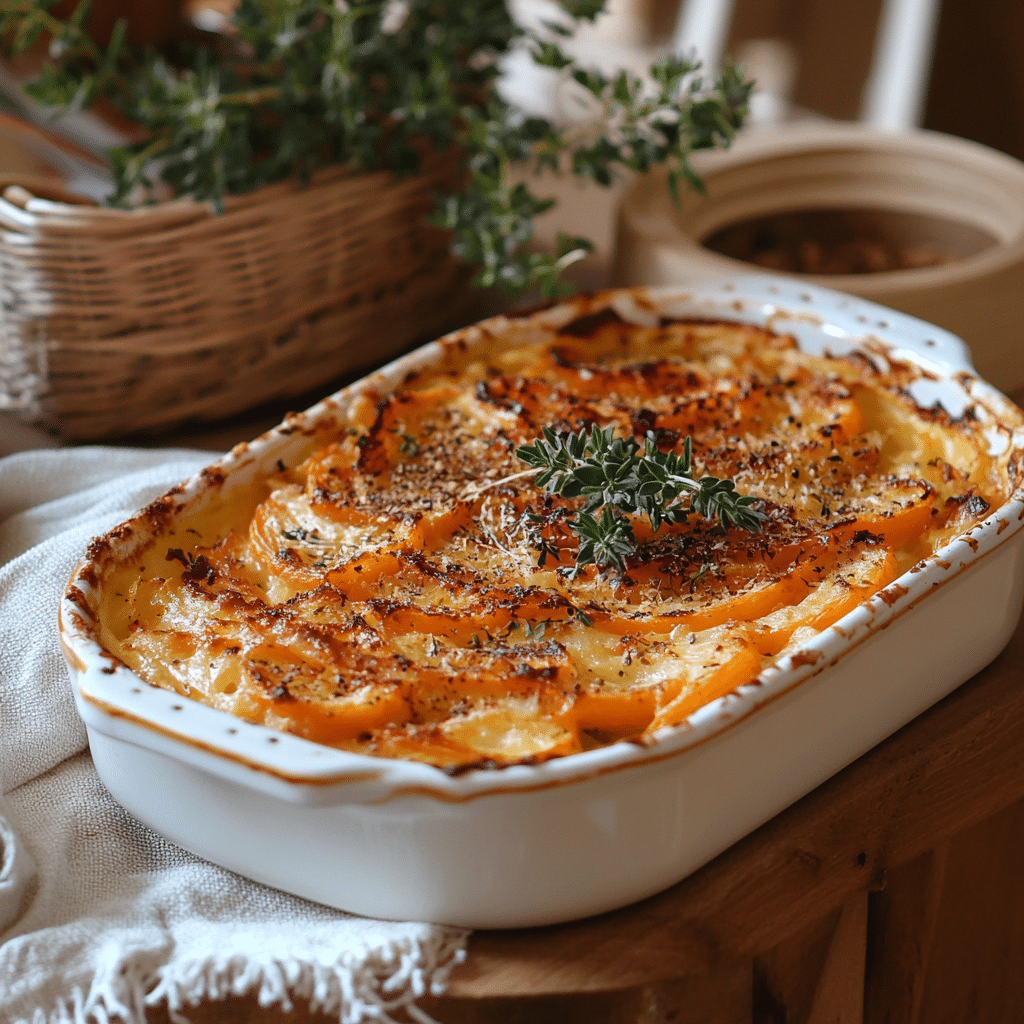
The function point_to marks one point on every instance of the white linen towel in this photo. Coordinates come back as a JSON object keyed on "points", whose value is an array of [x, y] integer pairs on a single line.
{"points": [[99, 917]]}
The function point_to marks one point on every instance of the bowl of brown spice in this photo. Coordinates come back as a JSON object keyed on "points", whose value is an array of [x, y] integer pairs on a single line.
{"points": [[923, 222]]}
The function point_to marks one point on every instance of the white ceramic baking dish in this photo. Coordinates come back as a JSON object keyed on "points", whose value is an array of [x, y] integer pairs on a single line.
{"points": [[574, 836]]}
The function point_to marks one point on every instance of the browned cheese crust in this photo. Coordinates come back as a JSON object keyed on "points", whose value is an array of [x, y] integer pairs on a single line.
{"points": [[389, 595]]}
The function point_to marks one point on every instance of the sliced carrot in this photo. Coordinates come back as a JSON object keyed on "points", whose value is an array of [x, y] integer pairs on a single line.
{"points": [[267, 534], [541, 671], [382, 480], [289, 540], [400, 619], [328, 721], [654, 675], [416, 743], [736, 662], [525, 405], [849, 584], [898, 525], [739, 607], [401, 419], [615, 709], [359, 579], [323, 692], [471, 612], [827, 409], [844, 420], [708, 412], [430, 529]]}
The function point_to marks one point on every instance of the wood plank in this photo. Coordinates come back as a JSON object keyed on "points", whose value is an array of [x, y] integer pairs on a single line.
{"points": [[723, 996], [975, 971], [839, 995], [786, 977], [816, 976], [902, 926], [957, 764]]}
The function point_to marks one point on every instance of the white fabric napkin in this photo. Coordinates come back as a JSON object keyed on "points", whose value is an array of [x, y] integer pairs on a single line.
{"points": [[99, 917]]}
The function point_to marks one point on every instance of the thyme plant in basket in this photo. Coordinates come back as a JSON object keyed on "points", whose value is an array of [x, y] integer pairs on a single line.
{"points": [[296, 85]]}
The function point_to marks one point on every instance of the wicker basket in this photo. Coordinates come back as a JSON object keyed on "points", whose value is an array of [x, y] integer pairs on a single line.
{"points": [[114, 322]]}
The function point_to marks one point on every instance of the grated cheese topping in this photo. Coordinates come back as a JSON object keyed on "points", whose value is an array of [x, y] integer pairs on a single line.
{"points": [[389, 595]]}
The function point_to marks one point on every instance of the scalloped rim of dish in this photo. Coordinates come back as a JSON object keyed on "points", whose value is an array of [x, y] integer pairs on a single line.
{"points": [[113, 697]]}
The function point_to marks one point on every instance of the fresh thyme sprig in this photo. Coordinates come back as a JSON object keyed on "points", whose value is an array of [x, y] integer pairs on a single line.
{"points": [[618, 477], [296, 85]]}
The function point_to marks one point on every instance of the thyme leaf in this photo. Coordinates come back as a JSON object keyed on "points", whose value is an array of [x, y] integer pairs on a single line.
{"points": [[616, 477]]}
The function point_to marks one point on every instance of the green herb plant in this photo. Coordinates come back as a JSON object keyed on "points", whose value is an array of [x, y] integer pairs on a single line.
{"points": [[617, 477], [301, 84]]}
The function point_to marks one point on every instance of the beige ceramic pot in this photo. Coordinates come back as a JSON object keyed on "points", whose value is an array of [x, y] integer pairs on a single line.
{"points": [[788, 198]]}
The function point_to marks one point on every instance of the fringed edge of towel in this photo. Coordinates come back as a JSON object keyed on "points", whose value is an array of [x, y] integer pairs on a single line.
{"points": [[354, 988]]}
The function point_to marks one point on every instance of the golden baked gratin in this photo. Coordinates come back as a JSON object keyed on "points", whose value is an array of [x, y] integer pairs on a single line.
{"points": [[410, 591]]}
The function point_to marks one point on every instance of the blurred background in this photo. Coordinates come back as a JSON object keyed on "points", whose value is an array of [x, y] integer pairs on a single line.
{"points": [[963, 74], [823, 50], [952, 66], [976, 85], [819, 51]]}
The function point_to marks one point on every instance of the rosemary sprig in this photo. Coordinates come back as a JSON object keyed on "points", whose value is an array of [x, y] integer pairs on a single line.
{"points": [[617, 477], [300, 84]]}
